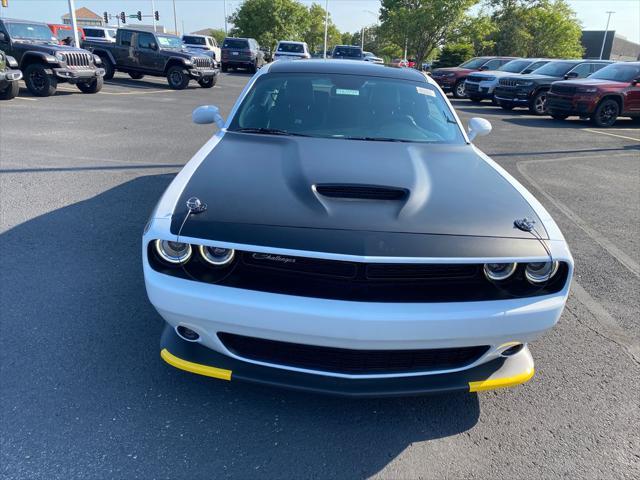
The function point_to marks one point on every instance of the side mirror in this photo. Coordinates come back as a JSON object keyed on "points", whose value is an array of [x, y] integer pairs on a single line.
{"points": [[635, 81], [3, 37], [153, 46], [571, 75], [478, 127], [207, 114]]}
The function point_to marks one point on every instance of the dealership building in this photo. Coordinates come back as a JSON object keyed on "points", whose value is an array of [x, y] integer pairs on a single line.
{"points": [[616, 47]]}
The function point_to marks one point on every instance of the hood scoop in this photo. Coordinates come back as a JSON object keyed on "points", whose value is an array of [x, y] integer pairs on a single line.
{"points": [[360, 192]]}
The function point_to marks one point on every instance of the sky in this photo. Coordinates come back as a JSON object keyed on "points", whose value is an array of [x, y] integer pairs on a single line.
{"points": [[348, 15]]}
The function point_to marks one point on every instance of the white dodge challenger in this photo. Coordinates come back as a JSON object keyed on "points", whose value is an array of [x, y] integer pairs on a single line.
{"points": [[341, 234]]}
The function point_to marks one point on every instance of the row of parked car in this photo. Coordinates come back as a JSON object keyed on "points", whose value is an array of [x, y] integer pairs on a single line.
{"points": [[599, 90], [30, 51]]}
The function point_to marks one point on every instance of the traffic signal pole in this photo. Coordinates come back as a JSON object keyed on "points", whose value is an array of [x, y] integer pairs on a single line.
{"points": [[74, 22]]}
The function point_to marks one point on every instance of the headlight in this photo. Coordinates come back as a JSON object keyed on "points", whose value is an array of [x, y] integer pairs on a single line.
{"points": [[97, 60], [524, 83], [173, 252], [540, 272], [60, 57], [217, 256], [188, 61], [587, 90], [51, 58], [499, 271]]}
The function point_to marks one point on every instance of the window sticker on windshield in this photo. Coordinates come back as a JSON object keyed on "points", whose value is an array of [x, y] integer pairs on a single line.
{"points": [[344, 91], [425, 91]]}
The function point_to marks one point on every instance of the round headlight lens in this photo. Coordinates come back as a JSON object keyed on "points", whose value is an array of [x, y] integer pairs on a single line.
{"points": [[540, 272], [217, 256], [173, 252], [97, 60], [61, 57], [499, 271]]}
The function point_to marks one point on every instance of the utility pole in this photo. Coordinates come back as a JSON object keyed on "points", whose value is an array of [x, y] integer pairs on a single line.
{"points": [[326, 27], [175, 19], [153, 14], [604, 38], [362, 40], [74, 22], [225, 17]]}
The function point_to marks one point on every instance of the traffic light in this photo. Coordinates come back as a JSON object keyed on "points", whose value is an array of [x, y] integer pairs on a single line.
{"points": [[123, 17], [105, 15], [139, 15], [156, 15], [5, 3]]}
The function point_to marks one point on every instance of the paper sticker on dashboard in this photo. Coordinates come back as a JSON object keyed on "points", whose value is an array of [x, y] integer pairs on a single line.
{"points": [[344, 91], [426, 91]]}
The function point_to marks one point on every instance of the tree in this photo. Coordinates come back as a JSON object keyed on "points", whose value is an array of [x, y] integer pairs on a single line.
{"points": [[477, 31], [314, 34], [453, 54], [218, 34], [422, 24], [269, 21]]}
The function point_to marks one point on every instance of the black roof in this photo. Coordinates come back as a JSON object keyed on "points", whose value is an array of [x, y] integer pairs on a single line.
{"points": [[346, 67]]}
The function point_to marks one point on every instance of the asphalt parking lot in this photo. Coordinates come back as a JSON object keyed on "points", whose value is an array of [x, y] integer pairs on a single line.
{"points": [[84, 393]]}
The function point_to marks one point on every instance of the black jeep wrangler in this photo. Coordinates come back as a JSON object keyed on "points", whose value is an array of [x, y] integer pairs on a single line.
{"points": [[44, 62], [140, 53], [9, 77]]}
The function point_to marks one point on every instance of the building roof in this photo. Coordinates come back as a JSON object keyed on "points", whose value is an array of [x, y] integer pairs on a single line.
{"points": [[347, 67], [84, 12]]}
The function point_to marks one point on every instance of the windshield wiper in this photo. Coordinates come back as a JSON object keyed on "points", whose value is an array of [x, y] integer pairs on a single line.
{"points": [[268, 131], [372, 139]]}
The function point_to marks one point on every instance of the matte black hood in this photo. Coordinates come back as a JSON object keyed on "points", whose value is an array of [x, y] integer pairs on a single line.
{"points": [[263, 180]]}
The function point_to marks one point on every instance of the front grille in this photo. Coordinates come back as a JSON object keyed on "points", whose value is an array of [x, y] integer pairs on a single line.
{"points": [[508, 82], [361, 192], [79, 59], [346, 361], [559, 103], [563, 89], [471, 87], [202, 62], [475, 78]]}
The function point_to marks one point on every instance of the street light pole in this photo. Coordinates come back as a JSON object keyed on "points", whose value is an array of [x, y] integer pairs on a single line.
{"points": [[362, 40], [326, 27], [225, 17], [606, 30], [175, 19], [74, 22]]}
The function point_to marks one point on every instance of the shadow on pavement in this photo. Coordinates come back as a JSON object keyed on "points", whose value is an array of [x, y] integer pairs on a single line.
{"points": [[85, 391]]}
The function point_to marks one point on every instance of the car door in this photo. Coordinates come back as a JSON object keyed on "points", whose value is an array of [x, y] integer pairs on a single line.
{"points": [[148, 56], [125, 51]]}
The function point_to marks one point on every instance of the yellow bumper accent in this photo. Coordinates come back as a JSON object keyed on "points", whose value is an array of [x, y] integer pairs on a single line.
{"points": [[493, 383], [205, 370]]}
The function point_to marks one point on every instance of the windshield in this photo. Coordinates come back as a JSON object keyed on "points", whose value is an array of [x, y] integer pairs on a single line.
{"points": [[291, 47], [29, 31], [235, 43], [474, 63], [194, 40], [347, 107], [347, 52], [618, 73], [555, 69], [169, 41], [515, 66]]}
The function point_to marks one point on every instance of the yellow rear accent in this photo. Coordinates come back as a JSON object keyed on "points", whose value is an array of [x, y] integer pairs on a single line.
{"points": [[493, 383], [205, 370]]}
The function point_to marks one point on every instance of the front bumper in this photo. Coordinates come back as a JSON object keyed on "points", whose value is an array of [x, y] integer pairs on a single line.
{"points": [[10, 76], [200, 73], [479, 89], [193, 357], [513, 96], [74, 75], [445, 83], [571, 104]]}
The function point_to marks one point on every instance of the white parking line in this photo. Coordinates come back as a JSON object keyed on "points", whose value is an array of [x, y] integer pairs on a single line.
{"points": [[27, 98], [612, 134], [596, 236]]}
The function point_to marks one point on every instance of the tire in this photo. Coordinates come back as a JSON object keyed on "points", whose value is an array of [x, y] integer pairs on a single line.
{"points": [[39, 82], [10, 91], [177, 78], [559, 116], [224, 68], [136, 76], [458, 90], [606, 113], [109, 69], [254, 67], [538, 105], [475, 99], [208, 82], [94, 86]]}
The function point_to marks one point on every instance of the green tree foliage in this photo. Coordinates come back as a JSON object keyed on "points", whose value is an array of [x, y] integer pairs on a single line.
{"points": [[536, 28], [477, 31], [218, 34], [453, 54], [422, 24], [314, 34], [269, 21]]}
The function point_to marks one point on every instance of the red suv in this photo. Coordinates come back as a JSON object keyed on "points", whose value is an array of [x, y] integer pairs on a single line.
{"points": [[603, 96], [452, 79]]}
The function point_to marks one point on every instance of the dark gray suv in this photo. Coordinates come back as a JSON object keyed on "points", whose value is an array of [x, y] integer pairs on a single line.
{"points": [[241, 53]]}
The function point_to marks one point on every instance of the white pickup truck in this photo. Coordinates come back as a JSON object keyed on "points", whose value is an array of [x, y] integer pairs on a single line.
{"points": [[203, 42]]}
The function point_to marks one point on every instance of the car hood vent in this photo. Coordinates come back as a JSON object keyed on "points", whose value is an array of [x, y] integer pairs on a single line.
{"points": [[361, 192]]}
